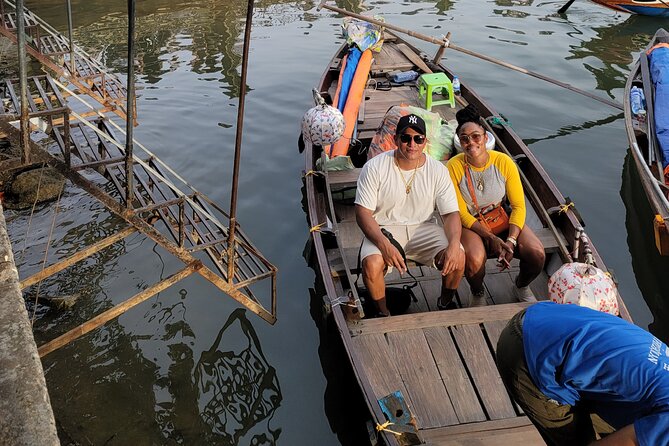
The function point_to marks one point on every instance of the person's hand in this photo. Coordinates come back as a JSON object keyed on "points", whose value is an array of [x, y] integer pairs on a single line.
{"points": [[505, 256], [392, 257], [452, 259], [495, 245]]}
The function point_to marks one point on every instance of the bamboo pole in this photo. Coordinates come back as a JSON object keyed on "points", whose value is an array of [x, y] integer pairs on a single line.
{"points": [[446, 43], [116, 311]]}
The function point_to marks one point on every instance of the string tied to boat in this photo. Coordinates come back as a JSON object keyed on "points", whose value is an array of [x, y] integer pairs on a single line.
{"points": [[384, 427], [316, 228], [563, 208], [498, 122]]}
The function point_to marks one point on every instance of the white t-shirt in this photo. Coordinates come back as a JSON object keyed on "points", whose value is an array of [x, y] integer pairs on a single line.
{"points": [[381, 190]]}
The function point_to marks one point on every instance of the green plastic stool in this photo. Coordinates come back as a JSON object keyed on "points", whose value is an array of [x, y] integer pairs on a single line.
{"points": [[429, 84]]}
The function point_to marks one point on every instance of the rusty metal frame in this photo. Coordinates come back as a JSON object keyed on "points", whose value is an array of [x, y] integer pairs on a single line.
{"points": [[257, 268], [117, 105]]}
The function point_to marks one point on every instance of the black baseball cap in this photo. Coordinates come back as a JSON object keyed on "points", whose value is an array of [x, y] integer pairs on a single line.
{"points": [[410, 121]]}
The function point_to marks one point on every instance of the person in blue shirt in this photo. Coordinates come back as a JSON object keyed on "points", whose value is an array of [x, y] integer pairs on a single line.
{"points": [[578, 373]]}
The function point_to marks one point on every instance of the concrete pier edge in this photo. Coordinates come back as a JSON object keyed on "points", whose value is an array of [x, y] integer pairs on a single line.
{"points": [[26, 416]]}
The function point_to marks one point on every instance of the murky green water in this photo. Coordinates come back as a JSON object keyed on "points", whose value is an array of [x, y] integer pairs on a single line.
{"points": [[189, 367]]}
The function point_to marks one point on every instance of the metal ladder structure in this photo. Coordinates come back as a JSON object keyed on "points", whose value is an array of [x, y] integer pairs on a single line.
{"points": [[137, 186], [65, 59]]}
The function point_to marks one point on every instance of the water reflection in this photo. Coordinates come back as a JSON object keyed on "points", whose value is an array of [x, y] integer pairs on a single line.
{"points": [[650, 268], [238, 388], [614, 48]]}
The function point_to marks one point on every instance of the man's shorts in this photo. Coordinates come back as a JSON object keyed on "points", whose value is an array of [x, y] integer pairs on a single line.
{"points": [[421, 242]]}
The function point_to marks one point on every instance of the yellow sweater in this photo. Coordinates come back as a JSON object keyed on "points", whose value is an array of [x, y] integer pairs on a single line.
{"points": [[500, 178]]}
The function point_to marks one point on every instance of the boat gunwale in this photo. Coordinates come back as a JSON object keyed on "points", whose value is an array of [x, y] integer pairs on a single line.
{"points": [[657, 200]]}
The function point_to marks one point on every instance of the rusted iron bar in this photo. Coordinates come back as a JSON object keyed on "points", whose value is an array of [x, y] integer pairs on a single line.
{"points": [[160, 205], [40, 113], [130, 95], [211, 244], [79, 256], [182, 229], [238, 141], [23, 79], [117, 310], [73, 69], [104, 162], [239, 297], [66, 137]]}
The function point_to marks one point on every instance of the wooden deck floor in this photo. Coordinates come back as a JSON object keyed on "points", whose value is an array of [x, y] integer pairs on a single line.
{"points": [[444, 365]]}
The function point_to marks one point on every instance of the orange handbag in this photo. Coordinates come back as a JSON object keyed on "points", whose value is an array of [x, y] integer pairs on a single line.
{"points": [[493, 218]]}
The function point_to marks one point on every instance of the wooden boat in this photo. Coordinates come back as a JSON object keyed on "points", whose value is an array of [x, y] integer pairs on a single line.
{"points": [[442, 363], [657, 8], [644, 146]]}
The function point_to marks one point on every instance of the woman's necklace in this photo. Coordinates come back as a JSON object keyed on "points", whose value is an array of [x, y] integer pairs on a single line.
{"points": [[480, 184], [408, 184]]}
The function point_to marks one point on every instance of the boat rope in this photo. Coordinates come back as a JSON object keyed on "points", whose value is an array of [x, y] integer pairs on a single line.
{"points": [[563, 208], [317, 228], [32, 212], [384, 427], [345, 300], [498, 121], [46, 254]]}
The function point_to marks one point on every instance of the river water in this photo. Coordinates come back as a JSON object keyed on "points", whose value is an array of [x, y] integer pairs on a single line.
{"points": [[190, 367]]}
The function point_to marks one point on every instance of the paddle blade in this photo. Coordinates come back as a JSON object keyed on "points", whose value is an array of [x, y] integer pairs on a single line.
{"points": [[565, 7]]}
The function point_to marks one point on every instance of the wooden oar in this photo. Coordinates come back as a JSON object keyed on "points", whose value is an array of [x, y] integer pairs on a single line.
{"points": [[565, 7], [448, 44]]}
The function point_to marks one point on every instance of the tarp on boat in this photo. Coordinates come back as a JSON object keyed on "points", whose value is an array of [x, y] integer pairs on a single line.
{"points": [[658, 59]]}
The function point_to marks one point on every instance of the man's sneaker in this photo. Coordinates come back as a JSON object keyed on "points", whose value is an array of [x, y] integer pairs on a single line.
{"points": [[478, 299], [524, 294], [448, 306]]}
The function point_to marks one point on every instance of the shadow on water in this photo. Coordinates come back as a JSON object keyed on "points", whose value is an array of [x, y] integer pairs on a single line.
{"points": [[650, 268], [238, 389]]}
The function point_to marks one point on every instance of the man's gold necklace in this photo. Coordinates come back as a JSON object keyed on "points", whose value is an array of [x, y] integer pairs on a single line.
{"points": [[408, 184]]}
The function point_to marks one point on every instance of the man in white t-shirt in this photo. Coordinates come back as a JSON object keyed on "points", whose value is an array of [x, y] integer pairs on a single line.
{"points": [[399, 191]]}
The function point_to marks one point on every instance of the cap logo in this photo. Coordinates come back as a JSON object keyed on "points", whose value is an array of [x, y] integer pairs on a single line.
{"points": [[413, 119]]}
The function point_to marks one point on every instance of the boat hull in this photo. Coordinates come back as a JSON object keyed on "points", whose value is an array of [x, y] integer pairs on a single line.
{"points": [[655, 9], [644, 152], [417, 353]]}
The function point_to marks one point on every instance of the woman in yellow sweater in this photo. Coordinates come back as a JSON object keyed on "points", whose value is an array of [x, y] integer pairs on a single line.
{"points": [[494, 179]]}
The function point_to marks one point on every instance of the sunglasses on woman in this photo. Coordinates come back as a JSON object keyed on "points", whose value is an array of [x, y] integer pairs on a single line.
{"points": [[406, 138], [474, 137]]}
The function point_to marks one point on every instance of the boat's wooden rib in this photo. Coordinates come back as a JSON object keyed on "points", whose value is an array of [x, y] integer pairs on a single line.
{"points": [[443, 362], [643, 146]]}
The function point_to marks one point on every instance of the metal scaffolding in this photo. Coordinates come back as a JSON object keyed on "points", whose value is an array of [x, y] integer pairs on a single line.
{"points": [[151, 197]]}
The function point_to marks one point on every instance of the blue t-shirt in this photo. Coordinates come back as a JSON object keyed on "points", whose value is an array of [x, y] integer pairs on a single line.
{"points": [[578, 354]]}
